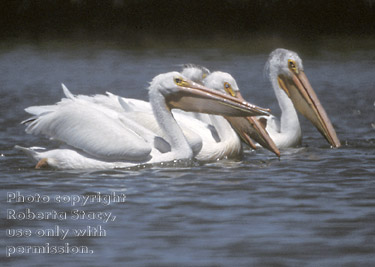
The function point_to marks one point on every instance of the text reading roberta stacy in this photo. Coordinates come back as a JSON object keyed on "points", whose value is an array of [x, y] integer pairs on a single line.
{"points": [[30, 224]]}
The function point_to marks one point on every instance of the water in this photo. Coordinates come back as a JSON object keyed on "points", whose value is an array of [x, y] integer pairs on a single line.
{"points": [[313, 207]]}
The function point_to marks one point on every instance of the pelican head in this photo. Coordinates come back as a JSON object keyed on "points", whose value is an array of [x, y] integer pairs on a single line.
{"points": [[179, 92], [223, 82], [286, 68]]}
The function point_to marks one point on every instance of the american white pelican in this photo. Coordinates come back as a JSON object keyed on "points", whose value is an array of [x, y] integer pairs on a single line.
{"points": [[213, 133], [293, 91], [246, 127], [227, 138], [216, 137], [100, 136]]}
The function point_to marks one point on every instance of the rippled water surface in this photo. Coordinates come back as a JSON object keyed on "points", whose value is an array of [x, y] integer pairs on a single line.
{"points": [[313, 207]]}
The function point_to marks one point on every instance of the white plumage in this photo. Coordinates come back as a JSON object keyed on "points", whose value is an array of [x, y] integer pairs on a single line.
{"points": [[294, 92], [107, 131]]}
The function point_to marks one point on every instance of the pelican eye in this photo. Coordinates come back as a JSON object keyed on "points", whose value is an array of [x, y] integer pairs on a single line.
{"points": [[178, 81], [292, 65], [228, 89]]}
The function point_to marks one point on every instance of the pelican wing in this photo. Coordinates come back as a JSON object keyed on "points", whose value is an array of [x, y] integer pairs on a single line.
{"points": [[97, 130]]}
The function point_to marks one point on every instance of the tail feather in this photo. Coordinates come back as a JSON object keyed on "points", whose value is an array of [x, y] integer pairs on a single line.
{"points": [[40, 110], [29, 120], [67, 93], [124, 105], [30, 152]]}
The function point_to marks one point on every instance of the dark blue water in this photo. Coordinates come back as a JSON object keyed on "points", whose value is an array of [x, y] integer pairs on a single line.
{"points": [[313, 207]]}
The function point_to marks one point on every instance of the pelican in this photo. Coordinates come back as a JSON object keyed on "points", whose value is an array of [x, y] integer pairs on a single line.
{"points": [[99, 136], [294, 93], [228, 140], [216, 137], [246, 127]]}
